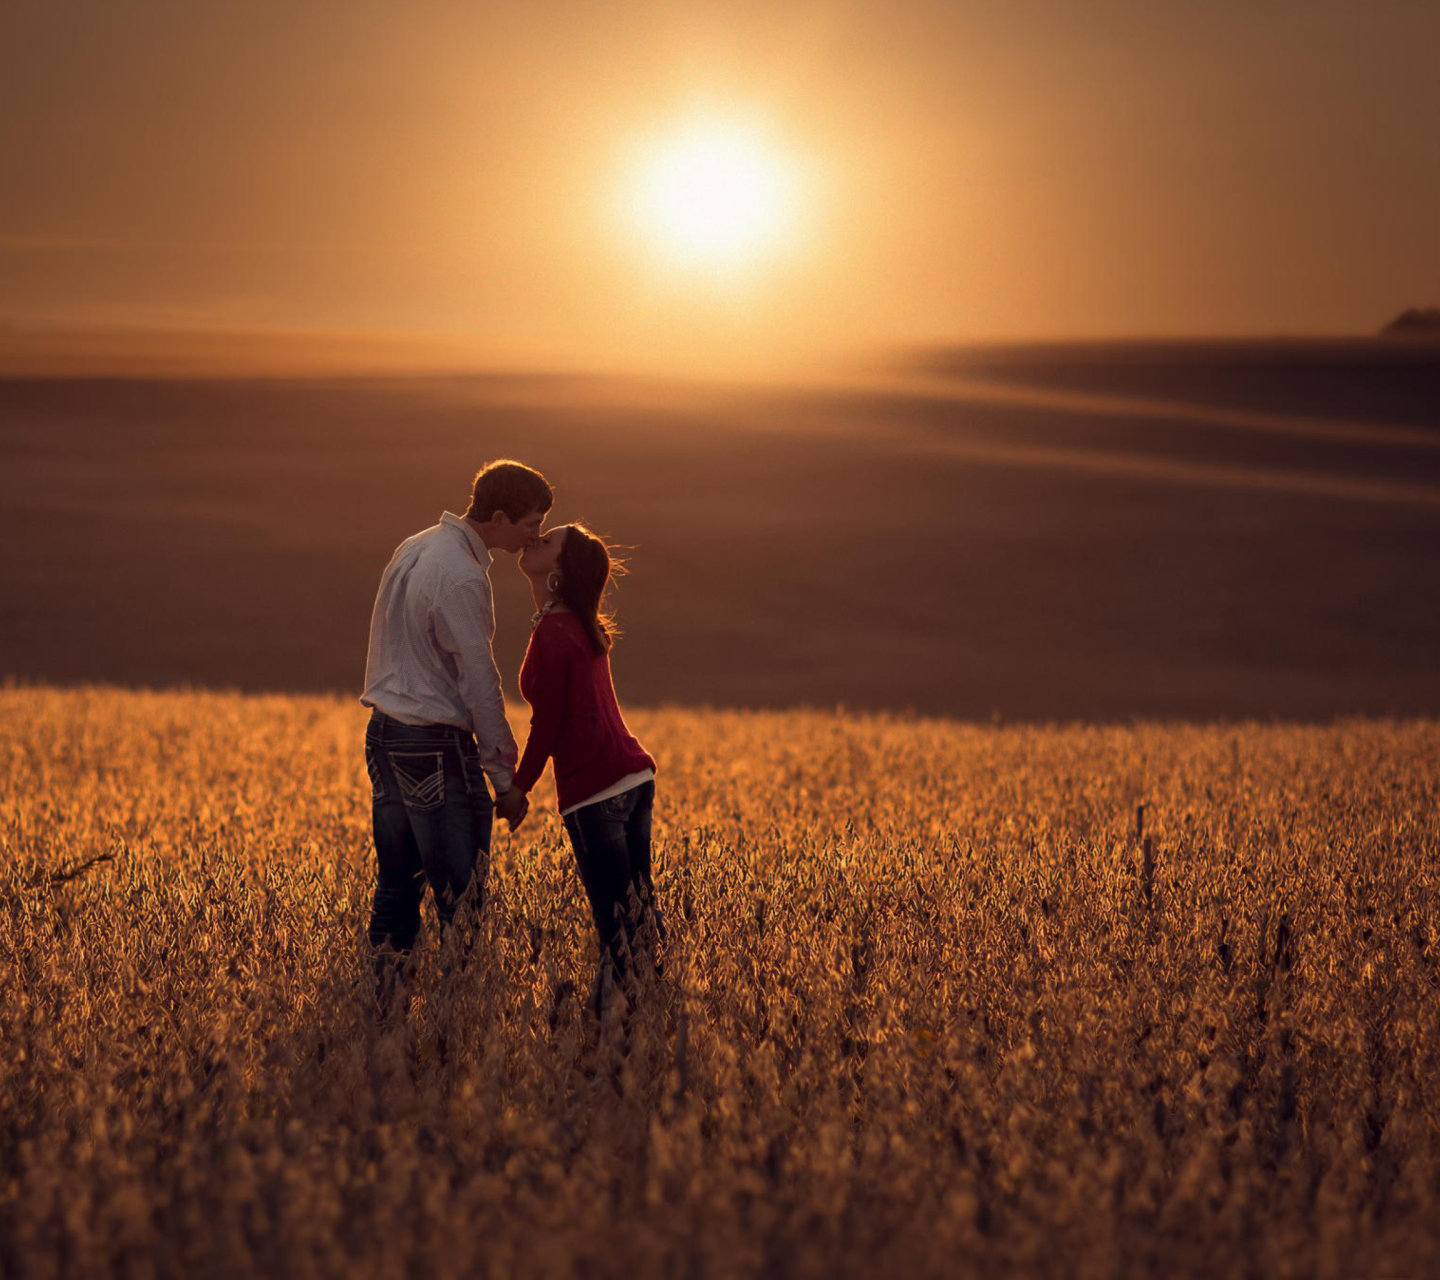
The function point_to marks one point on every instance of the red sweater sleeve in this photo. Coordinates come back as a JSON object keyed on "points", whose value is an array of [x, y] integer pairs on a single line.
{"points": [[550, 679]]}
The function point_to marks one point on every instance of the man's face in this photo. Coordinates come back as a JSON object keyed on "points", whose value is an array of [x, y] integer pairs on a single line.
{"points": [[519, 534], [542, 557]]}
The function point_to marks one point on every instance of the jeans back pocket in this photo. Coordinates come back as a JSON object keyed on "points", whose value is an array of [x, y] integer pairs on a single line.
{"points": [[421, 777], [618, 807]]}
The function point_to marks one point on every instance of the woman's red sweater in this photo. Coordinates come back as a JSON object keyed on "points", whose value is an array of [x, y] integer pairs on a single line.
{"points": [[574, 715]]}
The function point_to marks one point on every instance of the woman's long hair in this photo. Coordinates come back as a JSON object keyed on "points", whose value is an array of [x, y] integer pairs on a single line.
{"points": [[584, 566]]}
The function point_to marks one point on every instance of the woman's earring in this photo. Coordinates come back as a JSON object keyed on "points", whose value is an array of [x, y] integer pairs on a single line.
{"points": [[553, 582]]}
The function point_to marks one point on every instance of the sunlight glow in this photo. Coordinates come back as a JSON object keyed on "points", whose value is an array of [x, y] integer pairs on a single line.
{"points": [[716, 195]]}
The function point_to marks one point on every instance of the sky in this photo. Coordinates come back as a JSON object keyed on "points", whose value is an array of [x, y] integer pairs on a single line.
{"points": [[957, 171]]}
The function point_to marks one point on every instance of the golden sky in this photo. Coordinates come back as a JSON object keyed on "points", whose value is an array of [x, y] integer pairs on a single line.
{"points": [[956, 171]]}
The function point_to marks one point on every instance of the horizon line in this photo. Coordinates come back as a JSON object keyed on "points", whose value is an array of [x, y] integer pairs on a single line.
{"points": [[44, 348]]}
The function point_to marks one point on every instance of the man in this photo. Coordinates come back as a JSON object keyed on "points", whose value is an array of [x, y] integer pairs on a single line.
{"points": [[438, 728]]}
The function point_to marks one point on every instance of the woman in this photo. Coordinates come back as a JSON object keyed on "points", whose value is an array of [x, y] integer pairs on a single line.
{"points": [[604, 778]]}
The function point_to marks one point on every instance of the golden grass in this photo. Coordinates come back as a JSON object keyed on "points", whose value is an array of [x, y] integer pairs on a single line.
{"points": [[928, 1008]]}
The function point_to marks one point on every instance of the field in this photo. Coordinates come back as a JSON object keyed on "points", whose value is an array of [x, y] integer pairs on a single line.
{"points": [[1201, 531], [939, 999]]}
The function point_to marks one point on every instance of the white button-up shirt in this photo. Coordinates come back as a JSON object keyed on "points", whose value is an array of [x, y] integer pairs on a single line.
{"points": [[430, 634]]}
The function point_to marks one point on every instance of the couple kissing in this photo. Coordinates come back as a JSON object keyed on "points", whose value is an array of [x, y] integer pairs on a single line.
{"points": [[438, 743]]}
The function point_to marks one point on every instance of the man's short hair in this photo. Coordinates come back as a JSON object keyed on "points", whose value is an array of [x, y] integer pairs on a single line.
{"points": [[511, 487]]}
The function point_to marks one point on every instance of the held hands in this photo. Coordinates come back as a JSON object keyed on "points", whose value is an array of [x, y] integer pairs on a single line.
{"points": [[513, 805]]}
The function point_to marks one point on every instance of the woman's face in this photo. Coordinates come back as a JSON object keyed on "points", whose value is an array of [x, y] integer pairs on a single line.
{"points": [[542, 557]]}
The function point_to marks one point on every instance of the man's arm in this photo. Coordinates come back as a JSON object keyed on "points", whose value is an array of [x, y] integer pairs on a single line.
{"points": [[464, 622]]}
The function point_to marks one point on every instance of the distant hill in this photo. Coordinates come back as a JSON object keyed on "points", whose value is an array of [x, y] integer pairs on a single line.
{"points": [[1416, 320]]}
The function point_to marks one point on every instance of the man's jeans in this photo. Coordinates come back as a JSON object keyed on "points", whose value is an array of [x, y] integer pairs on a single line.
{"points": [[611, 840], [433, 815]]}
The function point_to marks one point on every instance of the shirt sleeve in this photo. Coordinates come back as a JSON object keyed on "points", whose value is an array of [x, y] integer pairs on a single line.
{"points": [[547, 713], [464, 621]]}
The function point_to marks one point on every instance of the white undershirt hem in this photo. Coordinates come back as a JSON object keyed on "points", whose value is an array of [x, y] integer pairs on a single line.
{"points": [[625, 783]]}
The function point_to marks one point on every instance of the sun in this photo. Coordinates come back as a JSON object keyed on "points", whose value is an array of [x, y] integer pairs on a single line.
{"points": [[714, 194]]}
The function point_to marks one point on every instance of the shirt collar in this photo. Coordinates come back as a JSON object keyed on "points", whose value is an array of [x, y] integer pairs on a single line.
{"points": [[477, 544]]}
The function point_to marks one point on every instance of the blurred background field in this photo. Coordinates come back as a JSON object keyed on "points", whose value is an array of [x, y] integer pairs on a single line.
{"points": [[931, 1003], [1206, 529]]}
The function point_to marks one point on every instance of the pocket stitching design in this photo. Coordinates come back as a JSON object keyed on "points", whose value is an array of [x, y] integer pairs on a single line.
{"points": [[427, 792]]}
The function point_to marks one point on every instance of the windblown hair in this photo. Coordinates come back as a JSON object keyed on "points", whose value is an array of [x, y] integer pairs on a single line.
{"points": [[511, 487], [584, 566]]}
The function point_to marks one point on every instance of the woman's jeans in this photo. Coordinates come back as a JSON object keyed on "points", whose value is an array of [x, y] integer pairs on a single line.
{"points": [[611, 839], [433, 814]]}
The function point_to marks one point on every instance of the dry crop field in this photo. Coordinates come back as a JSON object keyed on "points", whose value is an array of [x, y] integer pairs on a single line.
{"points": [[928, 1007]]}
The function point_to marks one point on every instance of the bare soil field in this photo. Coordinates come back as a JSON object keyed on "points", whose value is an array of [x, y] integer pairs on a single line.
{"points": [[1045, 533], [938, 999]]}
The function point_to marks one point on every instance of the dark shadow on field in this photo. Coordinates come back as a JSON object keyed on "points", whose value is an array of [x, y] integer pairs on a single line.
{"points": [[1395, 382], [940, 542]]}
